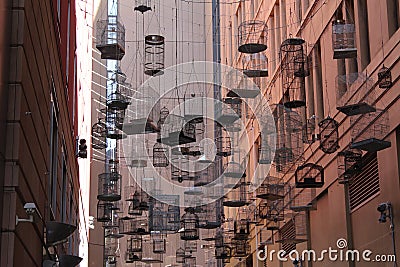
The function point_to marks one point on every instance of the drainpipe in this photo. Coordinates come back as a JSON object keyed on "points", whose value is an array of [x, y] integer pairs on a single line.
{"points": [[349, 227]]}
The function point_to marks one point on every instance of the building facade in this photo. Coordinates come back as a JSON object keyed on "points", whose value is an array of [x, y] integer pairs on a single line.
{"points": [[40, 125]]}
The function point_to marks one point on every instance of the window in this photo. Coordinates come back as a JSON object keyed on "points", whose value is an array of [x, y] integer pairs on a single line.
{"points": [[363, 30], [364, 185], [393, 16]]}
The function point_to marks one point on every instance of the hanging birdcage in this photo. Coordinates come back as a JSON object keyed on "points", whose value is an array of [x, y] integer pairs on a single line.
{"points": [[210, 216], [115, 121], [329, 135], [289, 143], [189, 225], [230, 110], [385, 78], [173, 218], [176, 131], [111, 228], [252, 36], [121, 94], [148, 255], [133, 249], [235, 166], [190, 246], [265, 238], [154, 54], [99, 135], [255, 65], [159, 242], [266, 148], [369, 131], [349, 164], [237, 196], [295, 230], [310, 134], [272, 188], [242, 224], [142, 5], [194, 107], [179, 169], [109, 186], [104, 211], [223, 146], [239, 85], [110, 250], [309, 175], [160, 155], [189, 261], [300, 199], [241, 248], [139, 151], [343, 40], [110, 38], [354, 94], [180, 255], [222, 247], [294, 68]]}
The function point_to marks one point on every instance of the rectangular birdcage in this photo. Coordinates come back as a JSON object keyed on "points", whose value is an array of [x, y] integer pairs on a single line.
{"points": [[133, 249], [272, 188], [159, 242], [211, 216], [343, 40], [241, 248], [110, 250], [148, 255], [272, 210], [369, 131], [348, 163], [194, 105], [176, 131], [300, 199], [110, 38], [237, 196], [355, 94]]}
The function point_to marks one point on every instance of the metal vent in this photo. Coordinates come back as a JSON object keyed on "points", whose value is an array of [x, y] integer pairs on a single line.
{"points": [[364, 185], [288, 232]]}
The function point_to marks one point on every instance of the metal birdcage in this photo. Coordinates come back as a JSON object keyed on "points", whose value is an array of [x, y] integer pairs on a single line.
{"points": [[159, 242], [176, 131], [223, 146], [173, 218], [235, 165], [160, 155], [272, 188], [189, 225], [111, 228], [180, 255], [104, 211], [142, 5], [265, 238], [289, 142], [354, 94], [300, 199], [148, 255], [99, 135], [180, 169], [266, 148], [369, 131], [139, 151], [115, 121], [189, 262], [133, 226], [343, 40], [240, 85], [309, 175], [133, 249], [110, 38], [222, 248], [237, 196], [255, 65], [190, 246], [121, 93], [241, 226], [329, 135], [295, 230], [210, 216], [194, 107], [385, 78], [349, 164], [241, 248], [207, 174], [110, 251], [252, 36], [230, 110], [154, 54], [109, 186], [310, 134]]}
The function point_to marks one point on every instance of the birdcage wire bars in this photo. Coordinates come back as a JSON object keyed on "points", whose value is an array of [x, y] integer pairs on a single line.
{"points": [[99, 134], [328, 135], [343, 39], [252, 36], [110, 37], [154, 55]]}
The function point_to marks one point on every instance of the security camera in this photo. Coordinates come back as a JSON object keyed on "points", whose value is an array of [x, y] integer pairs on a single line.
{"points": [[30, 208]]}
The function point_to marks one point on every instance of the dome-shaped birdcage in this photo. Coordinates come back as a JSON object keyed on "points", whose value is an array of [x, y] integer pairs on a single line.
{"points": [[142, 5], [289, 140], [349, 164], [252, 36], [189, 225], [110, 38], [329, 135], [241, 248], [355, 94], [272, 210], [99, 135], [104, 211], [237, 196], [154, 54], [272, 188], [343, 40], [133, 249], [369, 131], [309, 175], [159, 242], [180, 255], [173, 218], [294, 68], [310, 134], [255, 65], [385, 78], [115, 121], [241, 226], [230, 110], [109, 186], [300, 199]]}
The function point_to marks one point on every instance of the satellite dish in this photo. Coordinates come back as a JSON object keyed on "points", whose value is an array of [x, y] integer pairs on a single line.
{"points": [[69, 260], [57, 232]]}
